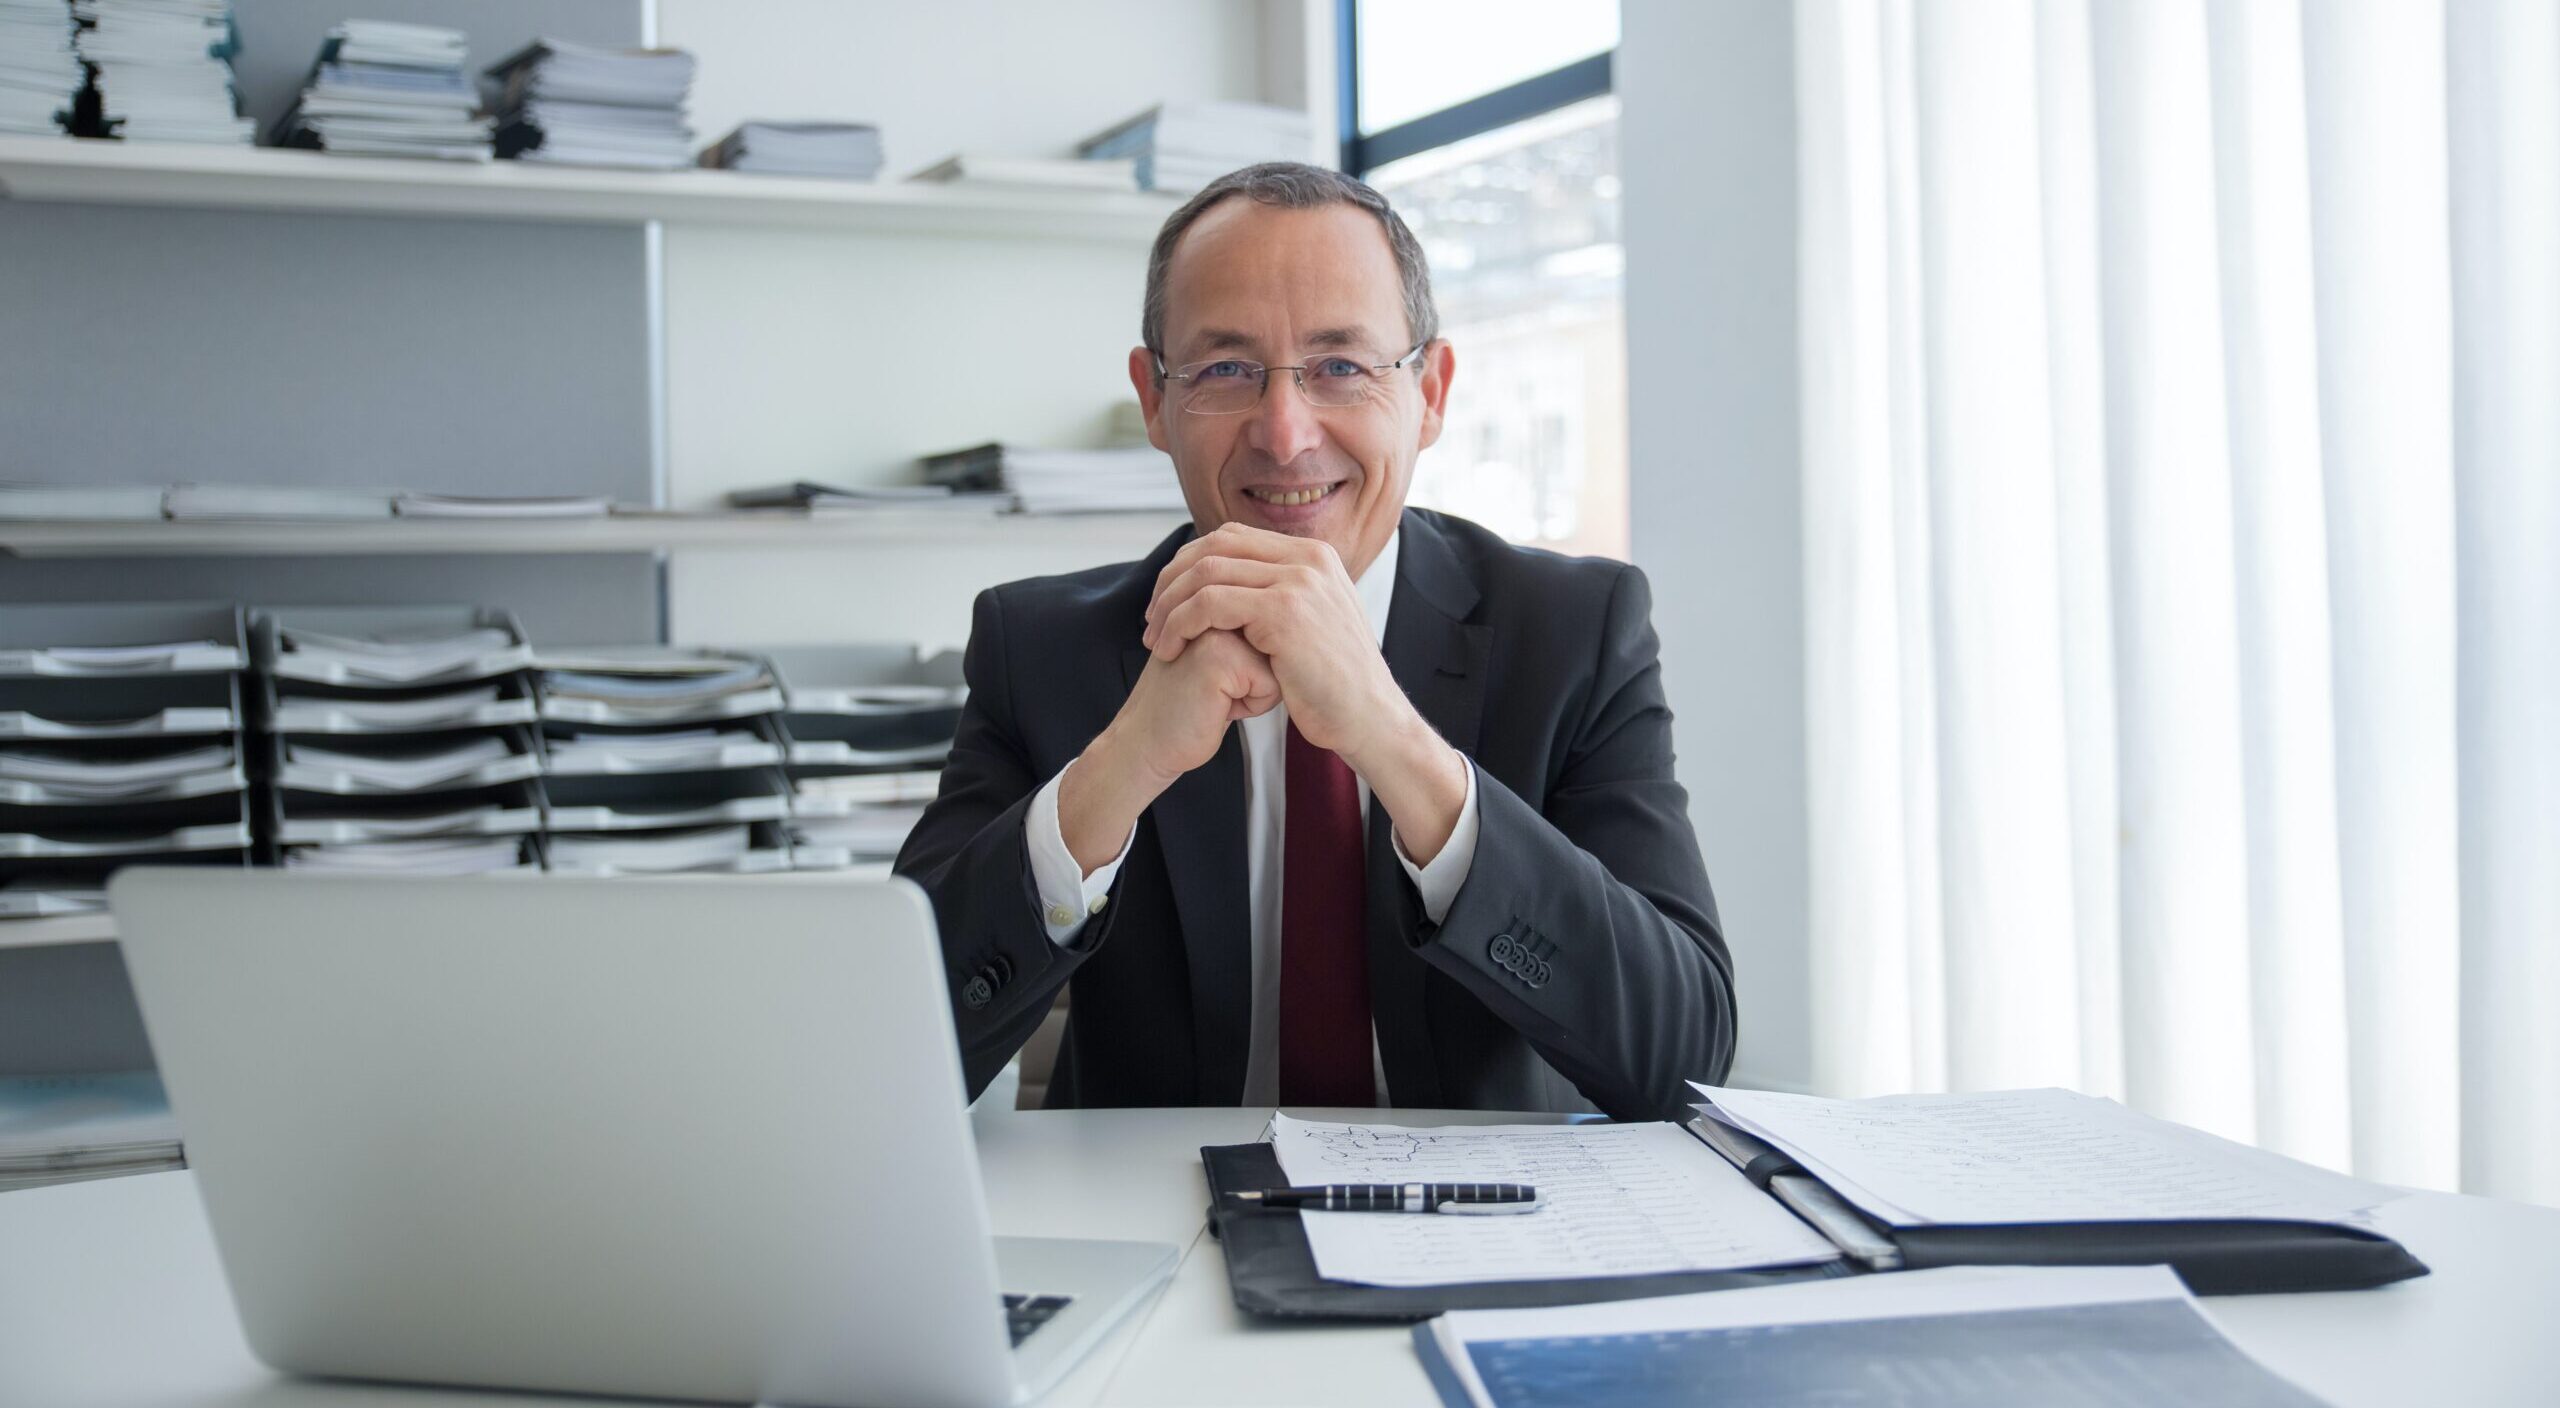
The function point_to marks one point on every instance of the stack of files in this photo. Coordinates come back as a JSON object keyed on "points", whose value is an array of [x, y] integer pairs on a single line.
{"points": [[663, 759], [456, 855], [1031, 173], [408, 505], [1181, 147], [384, 89], [82, 503], [737, 850], [1136, 479], [869, 727], [162, 69], [580, 105], [90, 772], [64, 1128], [841, 795], [283, 503], [1958, 1337], [845, 151], [805, 495], [40, 73], [864, 833], [120, 739], [401, 739]]}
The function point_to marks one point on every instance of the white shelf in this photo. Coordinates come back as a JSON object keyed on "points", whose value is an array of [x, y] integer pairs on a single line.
{"points": [[621, 533], [57, 929], [274, 178]]}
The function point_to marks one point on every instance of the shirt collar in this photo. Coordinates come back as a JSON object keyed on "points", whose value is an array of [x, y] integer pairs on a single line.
{"points": [[1377, 586]]}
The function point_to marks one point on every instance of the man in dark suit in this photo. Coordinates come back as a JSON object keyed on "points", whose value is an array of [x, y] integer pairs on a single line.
{"points": [[1328, 801]]}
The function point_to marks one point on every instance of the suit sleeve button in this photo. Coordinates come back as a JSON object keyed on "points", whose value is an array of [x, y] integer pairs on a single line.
{"points": [[978, 993]]}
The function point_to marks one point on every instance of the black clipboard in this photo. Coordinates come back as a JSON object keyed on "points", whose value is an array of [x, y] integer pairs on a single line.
{"points": [[1272, 1271]]}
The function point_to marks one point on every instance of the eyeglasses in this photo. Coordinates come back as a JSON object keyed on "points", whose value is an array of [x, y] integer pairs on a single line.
{"points": [[1231, 384]]}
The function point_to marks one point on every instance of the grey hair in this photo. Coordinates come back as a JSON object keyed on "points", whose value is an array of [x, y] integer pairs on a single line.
{"points": [[1294, 185]]}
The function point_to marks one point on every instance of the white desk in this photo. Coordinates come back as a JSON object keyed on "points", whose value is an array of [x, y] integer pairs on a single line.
{"points": [[110, 1295]]}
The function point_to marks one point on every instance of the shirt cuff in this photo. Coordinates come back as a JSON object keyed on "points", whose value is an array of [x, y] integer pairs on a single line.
{"points": [[1440, 881], [1068, 896]]}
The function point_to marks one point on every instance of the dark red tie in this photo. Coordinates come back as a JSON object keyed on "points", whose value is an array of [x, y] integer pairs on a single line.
{"points": [[1324, 945]]}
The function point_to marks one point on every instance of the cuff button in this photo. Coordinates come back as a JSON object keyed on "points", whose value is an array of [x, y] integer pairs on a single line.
{"points": [[1061, 915], [1098, 902], [978, 993]]}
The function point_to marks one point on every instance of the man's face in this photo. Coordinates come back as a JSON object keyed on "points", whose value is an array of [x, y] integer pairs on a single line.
{"points": [[1276, 286]]}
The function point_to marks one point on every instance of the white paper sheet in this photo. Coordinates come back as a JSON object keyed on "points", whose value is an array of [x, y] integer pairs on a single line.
{"points": [[1621, 1200], [2011, 1156]]}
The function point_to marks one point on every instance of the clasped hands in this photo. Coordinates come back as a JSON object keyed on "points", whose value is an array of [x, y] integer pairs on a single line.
{"points": [[1242, 619]]}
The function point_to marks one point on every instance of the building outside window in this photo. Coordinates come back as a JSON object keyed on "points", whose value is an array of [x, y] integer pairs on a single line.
{"points": [[1491, 126]]}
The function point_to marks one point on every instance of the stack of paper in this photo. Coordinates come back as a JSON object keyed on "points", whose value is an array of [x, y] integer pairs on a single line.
{"points": [[285, 503], [400, 656], [409, 505], [670, 750], [436, 856], [1138, 479], [864, 832], [660, 852], [40, 73], [43, 894], [2032, 1156], [1181, 147], [61, 1128], [802, 494], [384, 89], [848, 151], [163, 69], [581, 105], [1032, 173], [1955, 1337], [404, 763], [124, 503], [655, 687], [90, 775], [840, 796]]}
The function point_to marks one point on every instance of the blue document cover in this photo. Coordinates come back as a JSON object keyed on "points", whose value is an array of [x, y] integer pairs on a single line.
{"points": [[2145, 1352]]}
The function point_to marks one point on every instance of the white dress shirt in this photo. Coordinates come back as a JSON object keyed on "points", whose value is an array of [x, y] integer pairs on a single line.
{"points": [[1069, 898]]}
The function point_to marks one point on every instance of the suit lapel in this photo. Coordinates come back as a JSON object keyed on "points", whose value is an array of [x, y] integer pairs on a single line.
{"points": [[1438, 656]]}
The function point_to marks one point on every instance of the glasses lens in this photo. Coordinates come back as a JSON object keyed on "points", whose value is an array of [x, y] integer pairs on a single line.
{"points": [[1338, 381], [1221, 388]]}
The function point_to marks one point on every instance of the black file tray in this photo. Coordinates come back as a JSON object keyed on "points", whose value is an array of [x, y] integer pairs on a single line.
{"points": [[1273, 1272]]}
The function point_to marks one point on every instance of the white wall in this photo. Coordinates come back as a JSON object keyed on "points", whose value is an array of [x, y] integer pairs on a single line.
{"points": [[841, 358], [1707, 150]]}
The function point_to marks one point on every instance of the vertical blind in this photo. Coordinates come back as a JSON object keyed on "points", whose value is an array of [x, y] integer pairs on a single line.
{"points": [[2182, 564]]}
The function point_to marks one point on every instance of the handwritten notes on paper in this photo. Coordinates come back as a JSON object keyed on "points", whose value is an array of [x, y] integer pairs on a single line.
{"points": [[2012, 1156], [1621, 1200]]}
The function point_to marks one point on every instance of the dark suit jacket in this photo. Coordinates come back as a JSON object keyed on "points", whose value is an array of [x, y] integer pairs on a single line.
{"points": [[1582, 955]]}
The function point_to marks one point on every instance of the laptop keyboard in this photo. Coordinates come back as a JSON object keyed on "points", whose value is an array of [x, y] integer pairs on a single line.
{"points": [[1024, 1314]]}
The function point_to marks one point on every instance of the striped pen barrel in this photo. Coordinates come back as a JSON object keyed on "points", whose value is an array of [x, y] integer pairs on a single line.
{"points": [[1400, 1197]]}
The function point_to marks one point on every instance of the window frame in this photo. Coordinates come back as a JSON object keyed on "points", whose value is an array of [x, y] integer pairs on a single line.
{"points": [[1582, 79]]}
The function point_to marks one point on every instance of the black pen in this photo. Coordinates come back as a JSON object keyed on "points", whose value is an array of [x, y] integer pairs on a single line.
{"points": [[1477, 1198]]}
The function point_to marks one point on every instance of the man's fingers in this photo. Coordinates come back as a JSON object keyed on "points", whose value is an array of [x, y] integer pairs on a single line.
{"points": [[1211, 608], [1238, 540], [1210, 571]]}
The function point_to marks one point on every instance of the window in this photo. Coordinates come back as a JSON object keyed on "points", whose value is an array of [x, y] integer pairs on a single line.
{"points": [[1511, 184]]}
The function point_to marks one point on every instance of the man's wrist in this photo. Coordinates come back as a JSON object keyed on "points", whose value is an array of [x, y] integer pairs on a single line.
{"points": [[1421, 781], [1100, 797]]}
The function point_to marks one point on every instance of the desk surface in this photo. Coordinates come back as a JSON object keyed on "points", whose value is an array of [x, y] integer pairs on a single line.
{"points": [[110, 1294]]}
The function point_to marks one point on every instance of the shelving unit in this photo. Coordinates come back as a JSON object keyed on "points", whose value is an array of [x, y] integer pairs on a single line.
{"points": [[621, 533], [274, 178]]}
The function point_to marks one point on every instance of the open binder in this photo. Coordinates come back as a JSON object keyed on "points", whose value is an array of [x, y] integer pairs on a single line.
{"points": [[1272, 1270]]}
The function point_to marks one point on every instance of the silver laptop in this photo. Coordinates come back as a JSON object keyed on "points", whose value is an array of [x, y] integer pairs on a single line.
{"points": [[685, 1138]]}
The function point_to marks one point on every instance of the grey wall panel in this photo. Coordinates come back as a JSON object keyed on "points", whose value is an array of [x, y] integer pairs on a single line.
{"points": [[566, 600], [278, 38], [151, 345]]}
